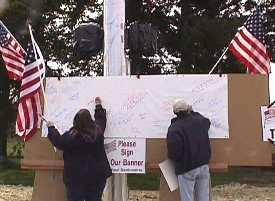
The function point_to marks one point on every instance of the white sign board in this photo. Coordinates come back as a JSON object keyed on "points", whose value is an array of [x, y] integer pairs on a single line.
{"points": [[268, 122], [126, 155], [139, 107]]}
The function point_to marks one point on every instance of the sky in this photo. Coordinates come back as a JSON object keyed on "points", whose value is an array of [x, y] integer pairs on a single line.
{"points": [[272, 83]]}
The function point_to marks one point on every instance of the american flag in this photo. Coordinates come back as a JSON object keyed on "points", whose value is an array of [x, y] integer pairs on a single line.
{"points": [[13, 54], [270, 113], [28, 120], [34, 71], [249, 44], [111, 146], [29, 108]]}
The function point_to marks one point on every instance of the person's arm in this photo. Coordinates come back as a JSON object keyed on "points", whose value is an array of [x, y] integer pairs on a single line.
{"points": [[56, 139], [67, 141], [100, 114], [174, 145]]}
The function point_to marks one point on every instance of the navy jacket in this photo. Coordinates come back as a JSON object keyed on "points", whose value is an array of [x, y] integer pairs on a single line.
{"points": [[85, 160], [188, 142]]}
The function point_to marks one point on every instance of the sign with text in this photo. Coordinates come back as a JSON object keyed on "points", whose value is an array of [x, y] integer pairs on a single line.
{"points": [[268, 122], [126, 155]]}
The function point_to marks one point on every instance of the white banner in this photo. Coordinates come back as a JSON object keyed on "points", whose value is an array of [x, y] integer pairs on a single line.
{"points": [[139, 107], [126, 155]]}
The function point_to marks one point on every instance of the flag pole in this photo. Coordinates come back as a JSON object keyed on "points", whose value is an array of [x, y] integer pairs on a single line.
{"points": [[213, 68], [35, 46]]}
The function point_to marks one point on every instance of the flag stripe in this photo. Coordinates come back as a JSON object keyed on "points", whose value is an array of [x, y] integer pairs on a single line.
{"points": [[11, 55], [254, 42], [28, 119], [12, 65], [246, 59], [32, 69], [14, 70], [26, 111], [255, 53], [31, 86]]}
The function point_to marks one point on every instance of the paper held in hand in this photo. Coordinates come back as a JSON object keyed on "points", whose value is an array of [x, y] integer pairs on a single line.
{"points": [[168, 170]]}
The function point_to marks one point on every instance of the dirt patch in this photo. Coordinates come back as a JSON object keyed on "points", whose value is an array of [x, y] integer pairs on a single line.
{"points": [[230, 192], [244, 192], [143, 195], [15, 193]]}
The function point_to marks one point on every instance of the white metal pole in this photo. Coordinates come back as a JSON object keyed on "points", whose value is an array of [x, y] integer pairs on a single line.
{"points": [[115, 65], [218, 61]]}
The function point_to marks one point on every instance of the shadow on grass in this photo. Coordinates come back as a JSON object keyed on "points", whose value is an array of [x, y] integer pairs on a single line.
{"points": [[11, 174], [149, 181], [245, 175]]}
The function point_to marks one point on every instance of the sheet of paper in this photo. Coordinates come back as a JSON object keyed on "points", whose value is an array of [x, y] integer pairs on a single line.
{"points": [[168, 170]]}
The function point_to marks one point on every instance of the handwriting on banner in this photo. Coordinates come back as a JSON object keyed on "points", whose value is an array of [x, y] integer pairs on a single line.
{"points": [[134, 100], [119, 118], [139, 109], [205, 85]]}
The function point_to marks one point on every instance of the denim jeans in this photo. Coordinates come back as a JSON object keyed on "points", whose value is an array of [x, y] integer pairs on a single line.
{"points": [[195, 183]]}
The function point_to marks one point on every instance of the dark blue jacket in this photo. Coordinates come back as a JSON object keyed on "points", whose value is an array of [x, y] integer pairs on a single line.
{"points": [[85, 160], [188, 142]]}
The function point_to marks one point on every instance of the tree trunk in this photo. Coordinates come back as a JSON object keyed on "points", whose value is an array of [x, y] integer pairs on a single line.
{"points": [[186, 51], [4, 114]]}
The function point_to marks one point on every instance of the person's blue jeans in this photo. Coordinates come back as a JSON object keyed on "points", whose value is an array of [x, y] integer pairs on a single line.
{"points": [[195, 183]]}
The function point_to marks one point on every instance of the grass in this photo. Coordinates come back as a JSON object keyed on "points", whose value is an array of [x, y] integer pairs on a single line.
{"points": [[149, 181], [11, 174], [242, 175], [245, 175]]}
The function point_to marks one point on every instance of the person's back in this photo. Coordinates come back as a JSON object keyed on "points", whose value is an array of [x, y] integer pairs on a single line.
{"points": [[86, 166], [192, 129], [189, 148]]}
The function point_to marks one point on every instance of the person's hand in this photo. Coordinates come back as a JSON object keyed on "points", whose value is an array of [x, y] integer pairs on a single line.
{"points": [[98, 100], [49, 124]]}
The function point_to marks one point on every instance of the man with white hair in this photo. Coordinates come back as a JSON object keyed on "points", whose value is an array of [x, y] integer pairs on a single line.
{"points": [[189, 148]]}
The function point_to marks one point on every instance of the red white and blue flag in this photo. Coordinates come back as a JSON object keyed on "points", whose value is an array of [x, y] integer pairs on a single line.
{"points": [[29, 108], [13, 54], [249, 44]]}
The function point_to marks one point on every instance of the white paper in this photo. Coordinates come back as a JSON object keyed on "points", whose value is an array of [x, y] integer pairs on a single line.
{"points": [[168, 170], [140, 108]]}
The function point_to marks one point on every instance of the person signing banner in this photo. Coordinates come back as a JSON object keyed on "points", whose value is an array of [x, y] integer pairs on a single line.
{"points": [[86, 167], [189, 148]]}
